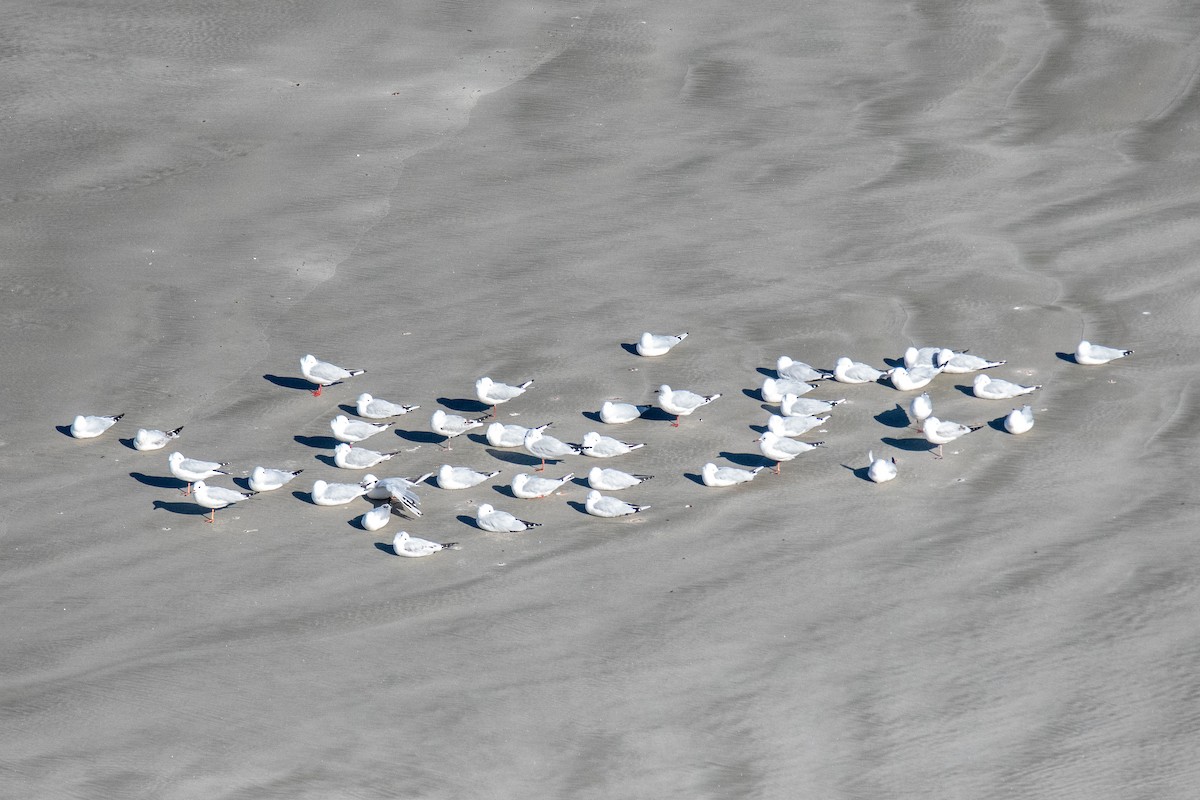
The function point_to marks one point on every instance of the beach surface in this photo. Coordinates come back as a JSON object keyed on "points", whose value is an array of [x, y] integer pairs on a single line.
{"points": [[195, 196]]}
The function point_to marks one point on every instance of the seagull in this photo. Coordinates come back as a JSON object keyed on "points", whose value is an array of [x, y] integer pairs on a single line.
{"points": [[493, 394], [336, 494], [909, 379], [528, 487], [397, 490], [613, 480], [348, 457], [785, 367], [355, 430], [990, 388], [1019, 420], [323, 374], [500, 434], [411, 547], [375, 408], [214, 497], [451, 425], [190, 470], [940, 432], [449, 477], [794, 426], [377, 517], [657, 344], [89, 427], [600, 506], [881, 469], [920, 408], [598, 446], [927, 356], [773, 389], [490, 519], [265, 479], [1092, 354], [712, 475], [617, 413], [681, 402], [848, 371], [547, 447], [781, 448], [147, 439], [795, 406], [960, 363]]}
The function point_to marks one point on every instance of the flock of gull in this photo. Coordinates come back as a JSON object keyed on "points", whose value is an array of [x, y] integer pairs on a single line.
{"points": [[780, 442]]}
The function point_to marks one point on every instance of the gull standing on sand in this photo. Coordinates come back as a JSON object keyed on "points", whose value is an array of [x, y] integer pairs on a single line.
{"points": [[451, 425], [919, 409], [1093, 354], [942, 432], [847, 371], [1019, 420], [148, 439], [961, 363], [794, 426], [794, 405], [774, 389], [323, 374], [449, 477], [990, 388], [598, 505], [214, 497], [411, 547], [353, 431], [190, 470], [547, 447], [712, 475], [336, 494], [785, 367], [881, 470], [493, 394], [781, 448], [617, 413], [613, 480], [492, 519], [657, 344], [375, 408], [89, 427], [681, 402], [530, 487], [597, 446], [348, 457], [377, 517], [265, 479], [500, 434]]}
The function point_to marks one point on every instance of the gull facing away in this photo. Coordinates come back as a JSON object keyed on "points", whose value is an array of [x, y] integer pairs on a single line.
{"points": [[547, 447], [451, 425], [530, 487], [377, 517], [265, 479], [919, 409], [618, 413], [214, 497], [1093, 354], [491, 519], [348, 457], [961, 363], [323, 374], [613, 480], [375, 408], [794, 426], [411, 547], [190, 470], [449, 477], [492, 393], [598, 505], [781, 448], [794, 405], [657, 344], [785, 367], [681, 402], [847, 371], [336, 494], [353, 431], [1019, 420], [881, 470], [942, 432], [990, 388], [597, 446], [89, 427], [909, 379], [774, 389], [501, 434], [148, 439], [712, 475]]}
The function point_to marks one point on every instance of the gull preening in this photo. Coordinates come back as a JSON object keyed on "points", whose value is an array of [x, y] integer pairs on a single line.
{"points": [[785, 367], [214, 497], [1094, 354], [613, 480], [774, 389], [493, 393], [1019, 420], [618, 413], [919, 409], [681, 402], [377, 517], [530, 487], [880, 470], [794, 426], [990, 388], [190, 470], [847, 371], [657, 344], [597, 446], [89, 427], [491, 519], [451, 425], [348, 457], [599, 505], [323, 374], [781, 448], [396, 490], [942, 432], [353, 431], [449, 477], [794, 405], [538, 443], [500, 434], [148, 439], [712, 475], [412, 547], [375, 408], [265, 479], [336, 494]]}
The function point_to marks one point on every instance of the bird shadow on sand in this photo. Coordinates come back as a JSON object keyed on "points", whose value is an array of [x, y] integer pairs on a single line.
{"points": [[767, 372], [754, 394], [694, 478], [468, 520], [997, 424], [320, 442], [518, 458], [1067, 357], [911, 445], [578, 506], [420, 437], [65, 430], [894, 362], [159, 481], [289, 382], [859, 472], [346, 408], [504, 489], [759, 429], [326, 460], [630, 347], [656, 414], [750, 460], [304, 496], [464, 405], [969, 391], [242, 483], [894, 417], [127, 442], [594, 416], [386, 548], [187, 509]]}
